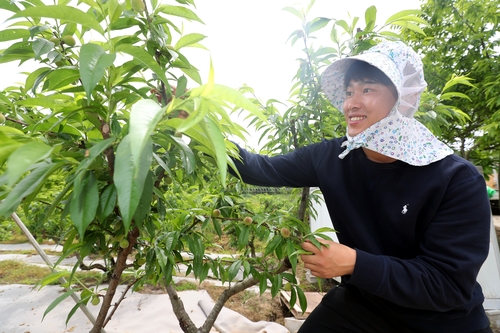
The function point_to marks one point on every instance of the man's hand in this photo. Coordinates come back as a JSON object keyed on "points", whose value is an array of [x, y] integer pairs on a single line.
{"points": [[329, 261]]}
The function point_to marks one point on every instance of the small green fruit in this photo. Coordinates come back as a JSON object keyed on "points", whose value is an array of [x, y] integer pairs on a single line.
{"points": [[119, 238], [95, 300], [68, 40], [124, 243], [141, 261], [2, 118], [247, 220], [138, 5], [167, 180], [216, 213], [55, 40], [285, 232]]}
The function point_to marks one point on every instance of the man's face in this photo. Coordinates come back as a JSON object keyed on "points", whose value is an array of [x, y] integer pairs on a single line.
{"points": [[366, 103]]}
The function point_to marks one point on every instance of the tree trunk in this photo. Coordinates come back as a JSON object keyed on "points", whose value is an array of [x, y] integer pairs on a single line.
{"points": [[121, 264], [301, 214]]}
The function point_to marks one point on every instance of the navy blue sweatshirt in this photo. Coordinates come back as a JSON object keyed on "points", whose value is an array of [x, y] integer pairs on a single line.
{"points": [[421, 234]]}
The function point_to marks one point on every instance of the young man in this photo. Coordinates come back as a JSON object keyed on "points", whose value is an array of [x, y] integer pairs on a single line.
{"points": [[412, 217]]}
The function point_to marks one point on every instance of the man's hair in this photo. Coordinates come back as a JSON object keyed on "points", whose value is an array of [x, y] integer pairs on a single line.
{"points": [[361, 71]]}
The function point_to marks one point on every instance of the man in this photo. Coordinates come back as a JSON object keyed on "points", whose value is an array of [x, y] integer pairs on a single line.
{"points": [[412, 217]]}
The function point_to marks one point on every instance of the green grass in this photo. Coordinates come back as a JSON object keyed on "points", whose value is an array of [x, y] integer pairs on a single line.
{"points": [[17, 272]]}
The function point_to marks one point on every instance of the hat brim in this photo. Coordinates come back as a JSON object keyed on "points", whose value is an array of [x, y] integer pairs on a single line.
{"points": [[332, 80]]}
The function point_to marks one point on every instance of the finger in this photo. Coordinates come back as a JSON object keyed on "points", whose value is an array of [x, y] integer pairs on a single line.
{"points": [[310, 247]]}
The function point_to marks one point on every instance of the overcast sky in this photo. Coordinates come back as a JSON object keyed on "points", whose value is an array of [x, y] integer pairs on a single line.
{"points": [[247, 40]]}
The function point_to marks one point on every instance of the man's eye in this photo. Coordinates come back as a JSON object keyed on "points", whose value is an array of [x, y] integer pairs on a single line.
{"points": [[348, 93], [367, 90]]}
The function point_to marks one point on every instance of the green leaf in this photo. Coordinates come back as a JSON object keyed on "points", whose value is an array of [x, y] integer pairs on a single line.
{"points": [[449, 95], [107, 202], [93, 64], [233, 270], [217, 227], [370, 15], [144, 58], [42, 46], [93, 153], [192, 73], [129, 180], [84, 201], [189, 39], [52, 278], [409, 25], [144, 117], [36, 76], [44, 102], [72, 311], [6, 149], [23, 158], [317, 24], [64, 13], [179, 11], [295, 12], [114, 10], [144, 206], [402, 14], [7, 5], [243, 236], [26, 186], [60, 78], [271, 246], [343, 24], [187, 156], [262, 284], [293, 297], [216, 140], [11, 34], [57, 301], [238, 99], [302, 300]]}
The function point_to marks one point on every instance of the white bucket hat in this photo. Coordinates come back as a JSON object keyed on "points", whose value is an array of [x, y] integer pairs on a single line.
{"points": [[398, 135]]}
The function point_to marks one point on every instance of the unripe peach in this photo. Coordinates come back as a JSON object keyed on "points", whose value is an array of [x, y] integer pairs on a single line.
{"points": [[124, 243], [138, 5], [95, 300], [216, 213], [285, 232], [55, 40], [247, 220], [68, 40]]}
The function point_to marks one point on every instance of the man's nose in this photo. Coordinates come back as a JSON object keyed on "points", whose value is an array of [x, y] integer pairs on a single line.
{"points": [[353, 102]]}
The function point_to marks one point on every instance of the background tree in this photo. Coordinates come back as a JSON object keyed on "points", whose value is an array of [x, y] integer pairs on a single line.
{"points": [[462, 39]]}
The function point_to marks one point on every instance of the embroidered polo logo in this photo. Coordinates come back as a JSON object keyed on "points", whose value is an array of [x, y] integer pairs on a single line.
{"points": [[405, 209]]}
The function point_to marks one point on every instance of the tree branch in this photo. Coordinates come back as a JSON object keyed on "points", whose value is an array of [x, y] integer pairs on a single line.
{"points": [[233, 290], [185, 322]]}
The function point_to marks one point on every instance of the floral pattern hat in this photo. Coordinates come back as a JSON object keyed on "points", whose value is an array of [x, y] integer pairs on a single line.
{"points": [[398, 135]]}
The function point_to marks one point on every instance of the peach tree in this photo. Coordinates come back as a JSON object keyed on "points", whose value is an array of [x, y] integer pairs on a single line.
{"points": [[106, 108]]}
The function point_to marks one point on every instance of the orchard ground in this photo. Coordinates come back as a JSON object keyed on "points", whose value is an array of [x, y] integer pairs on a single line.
{"points": [[249, 304]]}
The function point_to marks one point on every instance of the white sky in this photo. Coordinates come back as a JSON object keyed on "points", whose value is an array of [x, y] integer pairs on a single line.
{"points": [[247, 40]]}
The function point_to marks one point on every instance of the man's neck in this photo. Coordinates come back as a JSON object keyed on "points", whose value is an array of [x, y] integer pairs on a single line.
{"points": [[377, 157]]}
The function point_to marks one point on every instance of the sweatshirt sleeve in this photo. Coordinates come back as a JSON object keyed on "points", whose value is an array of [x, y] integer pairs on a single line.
{"points": [[295, 169], [453, 248]]}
